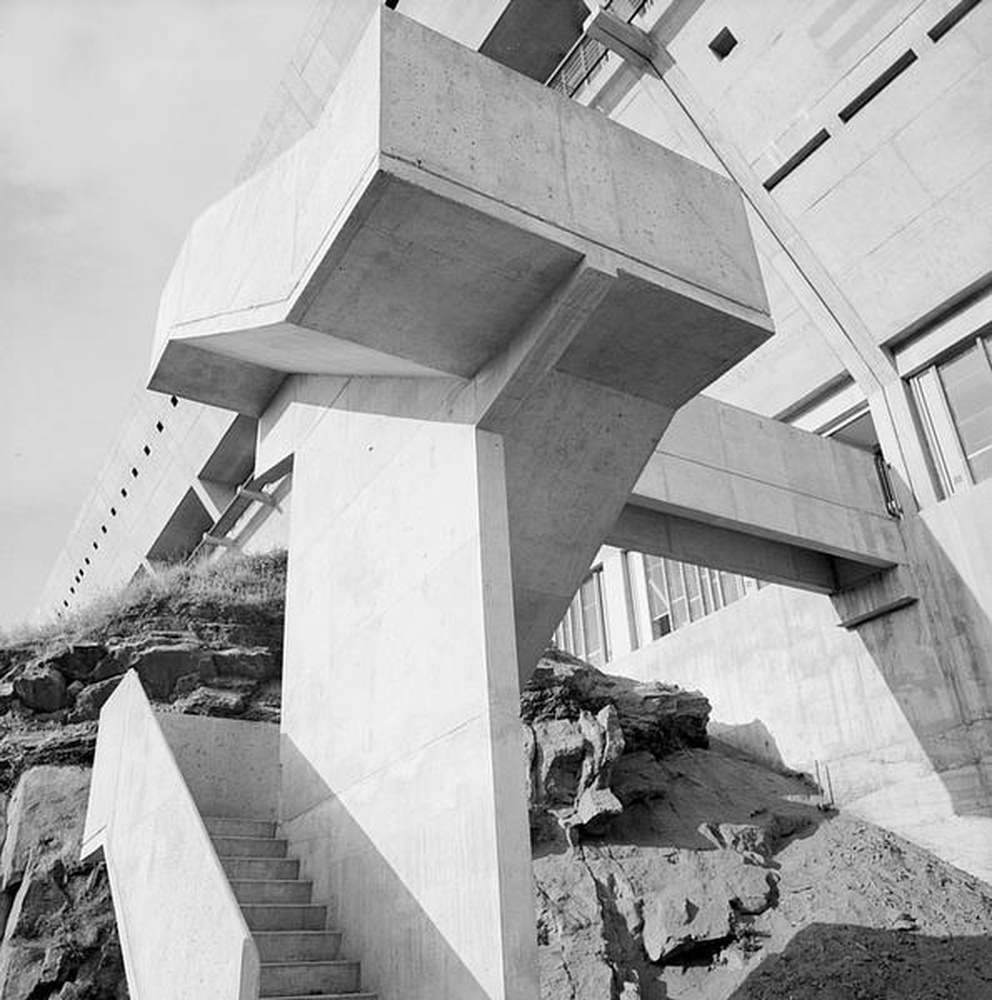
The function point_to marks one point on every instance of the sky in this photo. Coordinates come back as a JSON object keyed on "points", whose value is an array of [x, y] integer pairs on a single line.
{"points": [[120, 120]]}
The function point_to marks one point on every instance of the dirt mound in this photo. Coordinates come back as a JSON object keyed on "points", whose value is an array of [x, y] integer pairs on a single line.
{"points": [[730, 883]]}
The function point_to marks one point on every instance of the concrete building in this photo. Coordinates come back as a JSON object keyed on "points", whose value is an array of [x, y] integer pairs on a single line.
{"points": [[458, 336]]}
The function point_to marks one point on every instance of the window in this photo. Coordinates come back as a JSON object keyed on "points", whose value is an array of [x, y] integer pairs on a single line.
{"points": [[626, 559], [797, 158], [676, 594], [944, 25], [582, 631], [877, 86], [593, 620], [954, 402], [723, 44], [658, 606]]}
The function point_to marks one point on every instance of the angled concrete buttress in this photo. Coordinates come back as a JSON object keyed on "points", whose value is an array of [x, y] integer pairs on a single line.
{"points": [[473, 308]]}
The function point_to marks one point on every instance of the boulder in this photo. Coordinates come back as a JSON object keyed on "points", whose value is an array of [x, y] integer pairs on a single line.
{"points": [[569, 765], [60, 940], [110, 666], [256, 662], [46, 800], [78, 660], [654, 717], [40, 894], [41, 687], [638, 777], [675, 925], [159, 667], [212, 701], [92, 698]]}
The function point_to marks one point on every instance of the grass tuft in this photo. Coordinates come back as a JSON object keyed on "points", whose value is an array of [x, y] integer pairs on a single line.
{"points": [[235, 588]]}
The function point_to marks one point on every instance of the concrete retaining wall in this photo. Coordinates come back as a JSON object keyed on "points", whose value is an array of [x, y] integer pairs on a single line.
{"points": [[898, 711]]}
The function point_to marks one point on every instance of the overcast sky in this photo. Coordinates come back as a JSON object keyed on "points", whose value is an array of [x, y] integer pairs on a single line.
{"points": [[119, 121]]}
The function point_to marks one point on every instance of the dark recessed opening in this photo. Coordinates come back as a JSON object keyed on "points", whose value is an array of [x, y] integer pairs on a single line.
{"points": [[160, 427], [146, 450], [944, 25], [103, 528], [793, 161], [65, 604], [723, 44], [96, 547], [72, 590], [134, 472], [877, 86], [123, 492], [392, 4], [174, 400], [113, 512], [86, 559]]}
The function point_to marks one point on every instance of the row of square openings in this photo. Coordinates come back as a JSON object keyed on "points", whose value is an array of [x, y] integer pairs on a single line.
{"points": [[864, 98], [81, 572]]}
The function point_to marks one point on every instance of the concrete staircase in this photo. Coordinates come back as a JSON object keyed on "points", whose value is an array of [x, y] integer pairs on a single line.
{"points": [[299, 957]]}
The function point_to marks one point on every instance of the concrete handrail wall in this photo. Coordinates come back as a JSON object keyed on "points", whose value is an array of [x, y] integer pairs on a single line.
{"points": [[182, 932]]}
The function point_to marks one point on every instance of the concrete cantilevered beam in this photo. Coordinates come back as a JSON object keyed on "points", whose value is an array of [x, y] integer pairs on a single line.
{"points": [[733, 490]]}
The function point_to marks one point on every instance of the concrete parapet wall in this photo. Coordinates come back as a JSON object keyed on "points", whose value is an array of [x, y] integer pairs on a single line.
{"points": [[231, 768], [181, 929]]}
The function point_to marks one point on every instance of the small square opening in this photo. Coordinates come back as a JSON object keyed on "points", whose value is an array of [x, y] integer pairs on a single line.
{"points": [[723, 44]]}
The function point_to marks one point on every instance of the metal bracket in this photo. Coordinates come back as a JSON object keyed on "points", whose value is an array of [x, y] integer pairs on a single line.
{"points": [[259, 496], [632, 44]]}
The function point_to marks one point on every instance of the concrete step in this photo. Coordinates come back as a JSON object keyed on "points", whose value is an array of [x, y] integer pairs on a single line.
{"points": [[306, 978], [261, 868], [271, 890], [249, 847], [324, 996], [298, 946], [224, 826], [284, 916]]}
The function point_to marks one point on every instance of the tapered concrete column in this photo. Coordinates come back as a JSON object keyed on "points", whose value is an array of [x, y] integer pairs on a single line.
{"points": [[404, 788]]}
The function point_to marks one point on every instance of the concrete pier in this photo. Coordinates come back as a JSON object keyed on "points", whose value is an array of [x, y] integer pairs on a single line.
{"points": [[470, 309]]}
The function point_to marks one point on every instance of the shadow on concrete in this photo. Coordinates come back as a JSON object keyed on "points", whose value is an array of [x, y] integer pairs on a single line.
{"points": [[935, 655], [844, 961], [754, 739], [383, 924]]}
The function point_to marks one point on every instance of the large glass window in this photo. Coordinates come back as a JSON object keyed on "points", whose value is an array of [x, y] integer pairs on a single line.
{"points": [[967, 382], [954, 400], [633, 633], [593, 620], [583, 631], [677, 594], [658, 607]]}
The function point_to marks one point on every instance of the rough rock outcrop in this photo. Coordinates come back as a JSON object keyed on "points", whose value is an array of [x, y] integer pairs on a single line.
{"points": [[657, 718], [580, 725], [71, 683], [58, 938], [632, 873]]}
